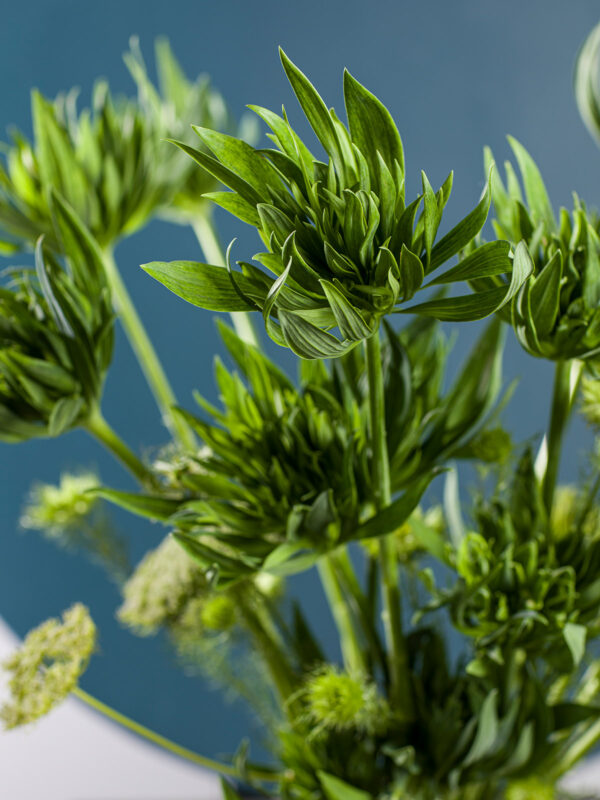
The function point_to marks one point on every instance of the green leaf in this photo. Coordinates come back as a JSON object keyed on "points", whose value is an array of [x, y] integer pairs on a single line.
{"points": [[228, 792], [316, 112], [575, 638], [396, 514], [336, 789], [467, 308], [235, 204], [203, 285], [144, 505], [545, 295], [64, 413], [372, 128], [463, 233], [487, 260], [350, 321], [308, 341], [487, 730], [535, 191], [411, 272]]}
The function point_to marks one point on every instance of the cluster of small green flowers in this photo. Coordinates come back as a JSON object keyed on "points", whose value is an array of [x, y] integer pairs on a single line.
{"points": [[53, 508], [48, 665], [338, 701], [160, 588]]}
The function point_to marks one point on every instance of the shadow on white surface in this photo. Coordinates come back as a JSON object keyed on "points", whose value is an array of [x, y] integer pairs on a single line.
{"points": [[76, 754]]}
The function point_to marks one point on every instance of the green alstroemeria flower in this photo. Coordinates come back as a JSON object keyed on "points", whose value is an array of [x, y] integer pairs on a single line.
{"points": [[343, 245], [56, 335]]}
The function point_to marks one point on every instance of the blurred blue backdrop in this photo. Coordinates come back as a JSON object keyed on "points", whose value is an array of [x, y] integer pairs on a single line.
{"points": [[456, 75]]}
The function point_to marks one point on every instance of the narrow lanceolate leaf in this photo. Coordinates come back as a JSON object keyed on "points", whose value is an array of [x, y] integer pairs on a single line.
{"points": [[336, 789], [316, 112], [535, 191], [468, 308], [585, 82], [411, 272], [235, 204], [463, 233], [64, 414], [487, 260], [308, 341], [203, 285], [153, 507], [351, 323], [371, 126], [431, 216], [544, 296], [396, 514]]}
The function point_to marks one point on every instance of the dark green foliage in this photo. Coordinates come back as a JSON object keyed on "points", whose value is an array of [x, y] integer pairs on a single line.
{"points": [[287, 474], [56, 336], [344, 246]]}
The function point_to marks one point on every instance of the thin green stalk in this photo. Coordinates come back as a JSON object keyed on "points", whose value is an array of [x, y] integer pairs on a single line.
{"points": [[146, 354], [269, 646], [566, 379], [352, 651], [99, 427], [254, 773], [213, 253], [400, 690]]}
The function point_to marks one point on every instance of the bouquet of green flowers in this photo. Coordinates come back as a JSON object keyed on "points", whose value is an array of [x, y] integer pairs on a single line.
{"points": [[468, 666]]}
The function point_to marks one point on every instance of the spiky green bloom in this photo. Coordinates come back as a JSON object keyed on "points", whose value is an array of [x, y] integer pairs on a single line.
{"points": [[526, 581], [56, 335], [556, 313], [48, 665], [337, 701], [286, 475], [169, 109], [344, 248], [55, 508]]}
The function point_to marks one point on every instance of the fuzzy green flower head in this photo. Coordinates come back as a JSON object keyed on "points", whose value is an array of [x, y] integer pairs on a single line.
{"points": [[337, 701], [48, 665], [344, 247], [160, 588], [214, 613], [56, 336], [556, 313], [55, 508]]}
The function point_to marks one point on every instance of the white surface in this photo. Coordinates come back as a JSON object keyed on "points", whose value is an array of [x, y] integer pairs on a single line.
{"points": [[76, 754]]}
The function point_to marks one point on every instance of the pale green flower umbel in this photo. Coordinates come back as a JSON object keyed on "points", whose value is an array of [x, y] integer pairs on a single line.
{"points": [[47, 666], [53, 508]]}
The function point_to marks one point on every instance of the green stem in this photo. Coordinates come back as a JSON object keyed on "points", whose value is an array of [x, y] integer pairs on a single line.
{"points": [[99, 427], [146, 354], [352, 651], [566, 380], [256, 773], [213, 253], [266, 639], [400, 689]]}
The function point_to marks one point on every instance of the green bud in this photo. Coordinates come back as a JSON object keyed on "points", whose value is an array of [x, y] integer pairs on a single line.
{"points": [[48, 665]]}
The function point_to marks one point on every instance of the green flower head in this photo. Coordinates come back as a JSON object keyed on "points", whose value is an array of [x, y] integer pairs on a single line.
{"points": [[556, 313], [285, 471], [48, 665], [56, 336], [344, 247]]}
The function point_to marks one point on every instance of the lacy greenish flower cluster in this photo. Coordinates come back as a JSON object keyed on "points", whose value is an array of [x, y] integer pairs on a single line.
{"points": [[47, 667], [464, 663]]}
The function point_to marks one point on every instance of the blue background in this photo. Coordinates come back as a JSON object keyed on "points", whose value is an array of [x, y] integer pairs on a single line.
{"points": [[456, 75]]}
